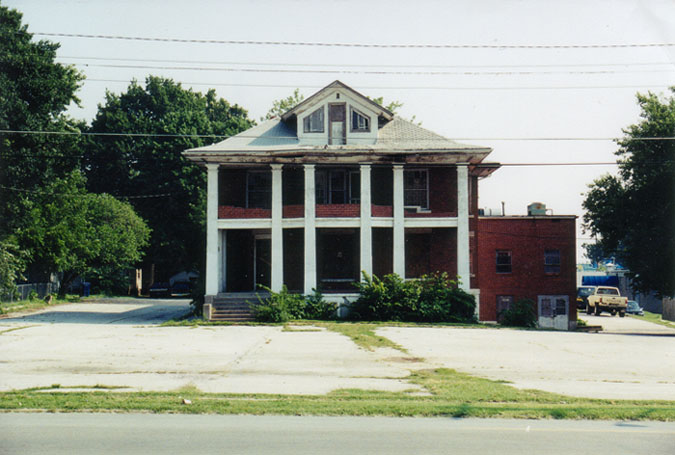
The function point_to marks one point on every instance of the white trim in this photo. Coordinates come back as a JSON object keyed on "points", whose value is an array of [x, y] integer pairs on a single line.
{"points": [[337, 222]]}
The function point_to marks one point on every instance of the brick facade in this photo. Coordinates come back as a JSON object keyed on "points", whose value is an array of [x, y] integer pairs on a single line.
{"points": [[527, 239]]}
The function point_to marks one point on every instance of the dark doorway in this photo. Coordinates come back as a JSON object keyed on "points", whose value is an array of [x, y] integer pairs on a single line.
{"points": [[263, 261], [338, 259]]}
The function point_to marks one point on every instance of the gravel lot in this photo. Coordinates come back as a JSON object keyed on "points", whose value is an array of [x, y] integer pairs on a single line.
{"points": [[119, 344]]}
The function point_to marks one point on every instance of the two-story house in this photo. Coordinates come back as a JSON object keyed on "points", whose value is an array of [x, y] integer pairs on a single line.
{"points": [[336, 186]]}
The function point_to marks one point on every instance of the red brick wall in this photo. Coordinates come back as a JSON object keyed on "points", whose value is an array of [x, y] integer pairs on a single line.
{"points": [[229, 212], [337, 210], [526, 238]]}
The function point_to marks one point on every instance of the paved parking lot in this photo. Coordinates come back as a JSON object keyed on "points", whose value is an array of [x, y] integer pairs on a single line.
{"points": [[119, 344]]}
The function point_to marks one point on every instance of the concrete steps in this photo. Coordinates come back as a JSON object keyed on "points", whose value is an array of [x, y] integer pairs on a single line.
{"points": [[232, 308]]}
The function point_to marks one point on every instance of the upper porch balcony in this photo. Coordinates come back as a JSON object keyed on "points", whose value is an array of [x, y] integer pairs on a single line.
{"points": [[246, 193]]}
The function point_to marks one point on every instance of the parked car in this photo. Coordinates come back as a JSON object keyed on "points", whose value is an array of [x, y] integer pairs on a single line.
{"points": [[181, 289], [634, 308], [582, 296], [159, 289]]}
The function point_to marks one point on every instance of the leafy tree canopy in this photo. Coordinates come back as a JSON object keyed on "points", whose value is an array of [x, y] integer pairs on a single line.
{"points": [[34, 93], [174, 120], [279, 107], [633, 213], [66, 229]]}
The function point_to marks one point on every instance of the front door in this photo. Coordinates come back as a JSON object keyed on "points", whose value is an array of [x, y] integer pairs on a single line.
{"points": [[263, 261], [337, 124]]}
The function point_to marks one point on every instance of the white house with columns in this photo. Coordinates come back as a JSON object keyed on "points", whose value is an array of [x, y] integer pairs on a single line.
{"points": [[337, 186]]}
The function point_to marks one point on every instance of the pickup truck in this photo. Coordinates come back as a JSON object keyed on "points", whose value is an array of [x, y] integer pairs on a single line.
{"points": [[605, 298]]}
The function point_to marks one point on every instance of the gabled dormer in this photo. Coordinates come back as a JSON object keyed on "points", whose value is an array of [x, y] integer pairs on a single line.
{"points": [[337, 115]]}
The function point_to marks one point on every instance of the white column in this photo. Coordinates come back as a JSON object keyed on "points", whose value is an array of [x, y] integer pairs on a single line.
{"points": [[366, 222], [399, 230], [277, 279], [310, 229], [463, 264], [212, 242]]}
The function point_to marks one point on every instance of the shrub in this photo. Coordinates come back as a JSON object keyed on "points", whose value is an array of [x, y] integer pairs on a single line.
{"points": [[432, 298], [387, 299], [317, 308], [520, 314], [280, 306], [442, 300]]}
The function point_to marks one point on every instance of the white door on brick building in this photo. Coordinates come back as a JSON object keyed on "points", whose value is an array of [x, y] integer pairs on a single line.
{"points": [[553, 311]]}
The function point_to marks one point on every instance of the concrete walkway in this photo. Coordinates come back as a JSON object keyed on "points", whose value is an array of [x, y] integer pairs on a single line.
{"points": [[119, 344]]}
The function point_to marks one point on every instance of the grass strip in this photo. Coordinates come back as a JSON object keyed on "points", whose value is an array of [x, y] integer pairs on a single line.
{"points": [[654, 318], [452, 394]]}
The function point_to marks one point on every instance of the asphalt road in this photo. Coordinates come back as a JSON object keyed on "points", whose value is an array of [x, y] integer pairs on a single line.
{"points": [[26, 433]]}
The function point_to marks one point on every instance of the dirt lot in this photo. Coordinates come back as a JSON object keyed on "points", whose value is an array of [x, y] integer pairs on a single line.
{"points": [[119, 344]]}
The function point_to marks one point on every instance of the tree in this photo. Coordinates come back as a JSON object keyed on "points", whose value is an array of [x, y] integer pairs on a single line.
{"points": [[11, 265], [65, 229], [167, 119], [34, 93], [634, 212], [280, 107]]}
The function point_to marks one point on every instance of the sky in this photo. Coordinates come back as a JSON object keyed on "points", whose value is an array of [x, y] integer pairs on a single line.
{"points": [[530, 104]]}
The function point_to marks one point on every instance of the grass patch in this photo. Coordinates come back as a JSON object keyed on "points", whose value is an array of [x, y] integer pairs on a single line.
{"points": [[655, 318], [362, 334], [451, 394], [7, 308]]}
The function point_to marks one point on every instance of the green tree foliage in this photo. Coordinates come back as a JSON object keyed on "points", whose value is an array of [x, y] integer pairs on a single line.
{"points": [[151, 165], [34, 93], [392, 106], [279, 107], [633, 213], [432, 298], [11, 264], [65, 229], [284, 306]]}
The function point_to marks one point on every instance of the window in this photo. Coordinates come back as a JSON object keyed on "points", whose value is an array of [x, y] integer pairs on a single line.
{"points": [[504, 302], [360, 122], [313, 123], [552, 262], [503, 261], [259, 189], [416, 188], [337, 186]]}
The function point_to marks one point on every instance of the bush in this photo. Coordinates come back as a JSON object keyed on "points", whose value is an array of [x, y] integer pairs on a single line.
{"points": [[317, 308], [520, 314], [432, 298], [279, 306]]}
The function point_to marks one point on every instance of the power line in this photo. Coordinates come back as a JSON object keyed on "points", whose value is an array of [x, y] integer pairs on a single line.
{"points": [[370, 65], [247, 136], [49, 193], [429, 87], [378, 72], [358, 45]]}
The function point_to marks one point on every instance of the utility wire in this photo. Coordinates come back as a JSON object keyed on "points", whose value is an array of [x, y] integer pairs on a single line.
{"points": [[47, 193], [358, 45], [379, 72], [247, 136], [292, 86], [368, 65]]}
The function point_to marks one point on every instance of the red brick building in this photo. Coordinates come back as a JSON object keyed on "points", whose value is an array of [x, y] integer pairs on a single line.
{"points": [[532, 257], [339, 185]]}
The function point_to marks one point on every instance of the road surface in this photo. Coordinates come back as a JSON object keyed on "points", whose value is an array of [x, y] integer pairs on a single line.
{"points": [[25, 433]]}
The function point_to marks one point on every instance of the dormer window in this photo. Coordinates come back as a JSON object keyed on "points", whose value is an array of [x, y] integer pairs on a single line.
{"points": [[360, 122], [313, 123]]}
